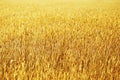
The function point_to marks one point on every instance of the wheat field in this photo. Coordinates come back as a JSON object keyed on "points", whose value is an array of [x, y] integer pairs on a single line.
{"points": [[59, 40]]}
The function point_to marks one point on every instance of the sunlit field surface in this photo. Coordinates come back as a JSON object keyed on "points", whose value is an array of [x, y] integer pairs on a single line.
{"points": [[59, 40]]}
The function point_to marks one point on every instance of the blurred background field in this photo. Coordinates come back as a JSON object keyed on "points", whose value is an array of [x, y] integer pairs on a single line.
{"points": [[60, 40]]}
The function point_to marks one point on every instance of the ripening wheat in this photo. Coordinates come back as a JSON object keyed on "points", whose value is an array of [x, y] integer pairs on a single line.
{"points": [[59, 40]]}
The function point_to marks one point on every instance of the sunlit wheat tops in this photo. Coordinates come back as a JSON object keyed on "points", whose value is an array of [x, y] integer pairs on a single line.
{"points": [[60, 40]]}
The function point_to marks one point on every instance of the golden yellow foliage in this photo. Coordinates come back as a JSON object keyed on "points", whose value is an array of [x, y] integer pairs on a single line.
{"points": [[60, 40]]}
